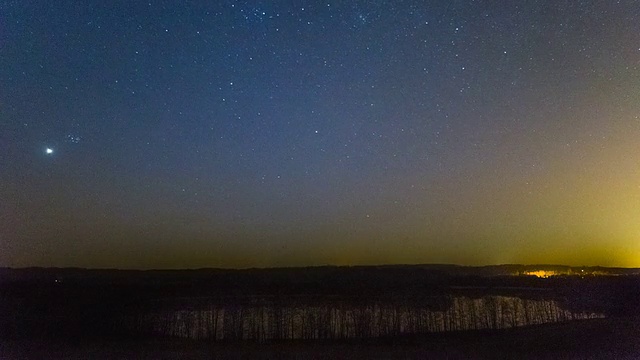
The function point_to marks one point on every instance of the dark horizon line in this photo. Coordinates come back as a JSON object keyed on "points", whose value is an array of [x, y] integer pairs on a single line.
{"points": [[450, 265]]}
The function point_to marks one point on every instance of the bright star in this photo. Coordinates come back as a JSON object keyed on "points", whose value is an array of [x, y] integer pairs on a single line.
{"points": [[49, 151]]}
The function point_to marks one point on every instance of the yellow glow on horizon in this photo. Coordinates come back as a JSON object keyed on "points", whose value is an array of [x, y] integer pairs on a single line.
{"points": [[541, 273]]}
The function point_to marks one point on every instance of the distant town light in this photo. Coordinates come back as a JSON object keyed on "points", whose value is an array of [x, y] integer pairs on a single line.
{"points": [[541, 273]]}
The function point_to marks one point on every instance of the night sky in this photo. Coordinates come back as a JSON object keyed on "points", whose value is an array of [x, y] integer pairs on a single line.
{"points": [[188, 134]]}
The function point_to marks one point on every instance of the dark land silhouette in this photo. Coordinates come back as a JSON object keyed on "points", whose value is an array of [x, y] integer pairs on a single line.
{"points": [[364, 311]]}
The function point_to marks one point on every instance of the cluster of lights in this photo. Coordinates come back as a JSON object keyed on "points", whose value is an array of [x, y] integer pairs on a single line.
{"points": [[541, 273], [548, 273]]}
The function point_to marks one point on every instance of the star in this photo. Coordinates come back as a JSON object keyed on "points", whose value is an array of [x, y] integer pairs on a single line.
{"points": [[49, 151]]}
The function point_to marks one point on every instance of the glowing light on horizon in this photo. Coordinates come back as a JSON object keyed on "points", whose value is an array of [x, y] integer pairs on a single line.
{"points": [[541, 273]]}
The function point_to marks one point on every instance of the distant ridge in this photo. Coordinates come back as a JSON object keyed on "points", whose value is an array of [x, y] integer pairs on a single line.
{"points": [[42, 273]]}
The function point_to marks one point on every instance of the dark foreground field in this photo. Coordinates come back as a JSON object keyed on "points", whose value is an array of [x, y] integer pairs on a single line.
{"points": [[362, 312], [612, 338]]}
